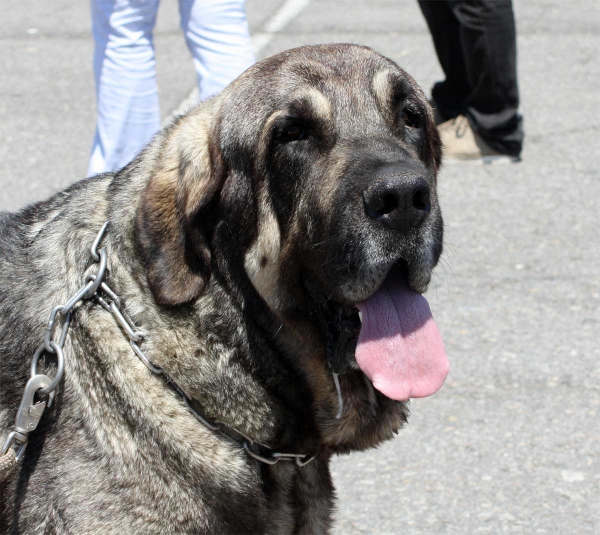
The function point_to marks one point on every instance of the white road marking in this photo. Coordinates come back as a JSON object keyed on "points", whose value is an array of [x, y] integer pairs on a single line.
{"points": [[280, 19], [277, 22]]}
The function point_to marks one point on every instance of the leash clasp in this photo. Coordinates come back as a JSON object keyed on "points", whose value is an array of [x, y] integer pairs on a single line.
{"points": [[28, 415]]}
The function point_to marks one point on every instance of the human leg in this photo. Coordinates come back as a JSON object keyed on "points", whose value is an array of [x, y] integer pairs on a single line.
{"points": [[450, 94], [126, 90], [216, 32], [488, 40]]}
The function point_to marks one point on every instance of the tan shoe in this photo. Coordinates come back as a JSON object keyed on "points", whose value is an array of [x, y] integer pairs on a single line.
{"points": [[462, 143]]}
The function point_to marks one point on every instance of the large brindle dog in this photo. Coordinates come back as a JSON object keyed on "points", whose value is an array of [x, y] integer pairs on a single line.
{"points": [[243, 241]]}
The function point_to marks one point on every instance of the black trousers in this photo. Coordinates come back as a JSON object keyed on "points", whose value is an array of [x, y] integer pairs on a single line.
{"points": [[475, 41]]}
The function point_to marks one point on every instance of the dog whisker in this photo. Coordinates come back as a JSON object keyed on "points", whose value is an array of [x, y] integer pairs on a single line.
{"points": [[280, 327], [314, 245], [446, 263]]}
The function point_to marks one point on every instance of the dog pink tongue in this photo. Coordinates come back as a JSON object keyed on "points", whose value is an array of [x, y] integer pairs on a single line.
{"points": [[400, 348]]}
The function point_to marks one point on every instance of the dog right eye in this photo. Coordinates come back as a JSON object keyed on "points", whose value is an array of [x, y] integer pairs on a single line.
{"points": [[291, 133], [410, 119], [291, 129], [294, 133]]}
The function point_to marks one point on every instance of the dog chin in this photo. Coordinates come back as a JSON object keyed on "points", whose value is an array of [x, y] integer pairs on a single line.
{"points": [[416, 275]]}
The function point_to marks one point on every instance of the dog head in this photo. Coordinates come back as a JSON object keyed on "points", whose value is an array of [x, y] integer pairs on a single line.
{"points": [[313, 175], [345, 154]]}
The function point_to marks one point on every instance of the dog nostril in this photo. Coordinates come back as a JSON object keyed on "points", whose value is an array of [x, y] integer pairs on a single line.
{"points": [[390, 203], [379, 205], [421, 199]]}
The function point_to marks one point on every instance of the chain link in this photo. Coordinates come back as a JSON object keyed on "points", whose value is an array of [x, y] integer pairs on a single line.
{"points": [[40, 389]]}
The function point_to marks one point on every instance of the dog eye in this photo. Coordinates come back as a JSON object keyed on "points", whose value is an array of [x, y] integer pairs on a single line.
{"points": [[292, 133], [291, 130], [410, 119]]}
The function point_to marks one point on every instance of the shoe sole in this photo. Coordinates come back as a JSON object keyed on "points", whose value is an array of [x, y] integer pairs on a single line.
{"points": [[484, 160]]}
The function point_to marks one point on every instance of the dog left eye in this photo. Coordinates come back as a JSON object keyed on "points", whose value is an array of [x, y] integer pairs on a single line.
{"points": [[410, 119], [292, 132]]}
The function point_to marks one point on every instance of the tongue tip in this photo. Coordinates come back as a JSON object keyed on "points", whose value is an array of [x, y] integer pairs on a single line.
{"points": [[405, 391], [433, 383]]}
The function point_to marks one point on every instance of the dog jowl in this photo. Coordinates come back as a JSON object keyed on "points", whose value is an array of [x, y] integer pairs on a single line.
{"points": [[273, 244]]}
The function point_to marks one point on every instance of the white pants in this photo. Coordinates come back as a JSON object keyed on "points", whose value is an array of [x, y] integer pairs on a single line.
{"points": [[216, 32]]}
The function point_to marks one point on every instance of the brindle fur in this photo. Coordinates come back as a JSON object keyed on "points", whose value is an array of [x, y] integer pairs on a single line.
{"points": [[212, 229]]}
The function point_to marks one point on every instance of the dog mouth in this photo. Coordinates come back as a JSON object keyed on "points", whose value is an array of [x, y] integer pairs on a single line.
{"points": [[390, 336]]}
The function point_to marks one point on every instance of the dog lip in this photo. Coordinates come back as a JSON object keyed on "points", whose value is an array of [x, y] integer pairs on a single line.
{"points": [[416, 278], [349, 298], [399, 268]]}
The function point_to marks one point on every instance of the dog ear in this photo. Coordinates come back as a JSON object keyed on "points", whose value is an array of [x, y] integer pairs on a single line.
{"points": [[171, 224], [434, 148]]}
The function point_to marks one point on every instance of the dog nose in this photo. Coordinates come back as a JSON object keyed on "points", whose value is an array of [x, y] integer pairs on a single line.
{"points": [[400, 203]]}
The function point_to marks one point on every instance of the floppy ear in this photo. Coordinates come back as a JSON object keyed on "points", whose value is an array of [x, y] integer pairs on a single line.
{"points": [[170, 228], [434, 148]]}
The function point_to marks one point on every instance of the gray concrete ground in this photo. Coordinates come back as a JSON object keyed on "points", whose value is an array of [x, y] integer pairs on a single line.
{"points": [[512, 442]]}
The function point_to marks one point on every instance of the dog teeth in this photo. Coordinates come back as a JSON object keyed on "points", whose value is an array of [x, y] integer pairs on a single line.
{"points": [[360, 316]]}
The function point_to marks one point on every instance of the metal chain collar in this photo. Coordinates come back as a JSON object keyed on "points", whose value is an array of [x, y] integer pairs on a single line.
{"points": [[40, 389]]}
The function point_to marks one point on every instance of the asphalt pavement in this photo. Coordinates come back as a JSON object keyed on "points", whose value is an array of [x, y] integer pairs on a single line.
{"points": [[511, 444]]}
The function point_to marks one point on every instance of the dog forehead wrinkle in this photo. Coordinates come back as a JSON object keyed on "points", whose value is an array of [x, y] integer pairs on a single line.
{"points": [[303, 73], [317, 101], [338, 62], [357, 112], [263, 143]]}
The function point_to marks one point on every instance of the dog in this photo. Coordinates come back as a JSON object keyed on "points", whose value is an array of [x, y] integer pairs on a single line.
{"points": [[242, 244]]}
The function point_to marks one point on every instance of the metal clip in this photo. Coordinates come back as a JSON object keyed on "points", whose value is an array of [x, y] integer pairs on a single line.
{"points": [[28, 415]]}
